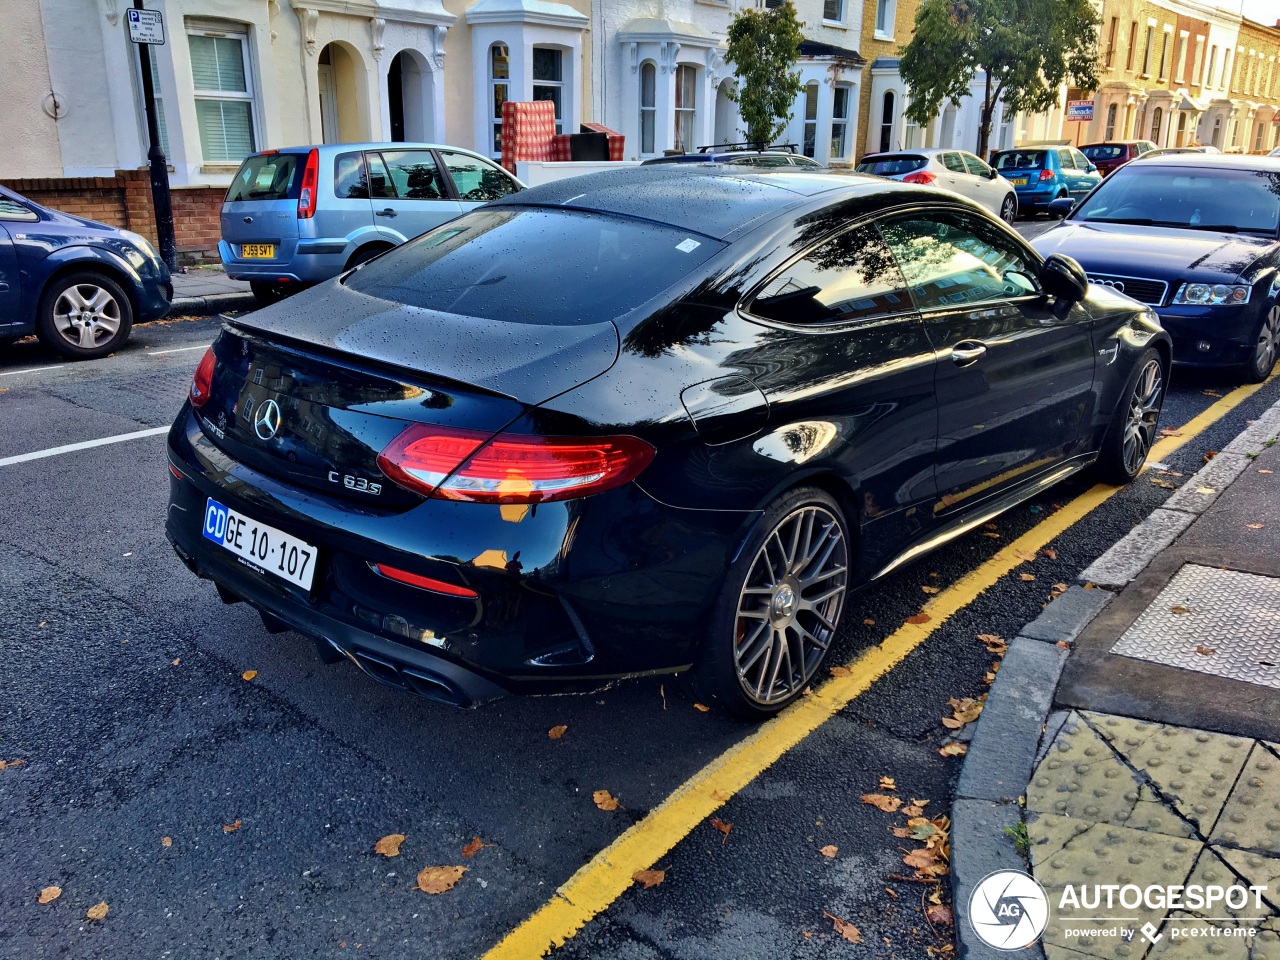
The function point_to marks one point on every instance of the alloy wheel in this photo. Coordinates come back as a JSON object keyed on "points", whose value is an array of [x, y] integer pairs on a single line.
{"points": [[1264, 352], [86, 314], [1008, 210], [790, 604], [1144, 414]]}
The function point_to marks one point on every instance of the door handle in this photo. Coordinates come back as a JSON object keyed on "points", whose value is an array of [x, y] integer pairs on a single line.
{"points": [[967, 352], [386, 213]]}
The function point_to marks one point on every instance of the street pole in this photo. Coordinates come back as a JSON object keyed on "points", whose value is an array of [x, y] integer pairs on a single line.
{"points": [[160, 198]]}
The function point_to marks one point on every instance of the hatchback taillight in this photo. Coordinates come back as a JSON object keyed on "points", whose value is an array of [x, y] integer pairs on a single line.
{"points": [[455, 464], [920, 176], [202, 382], [1046, 174], [310, 180]]}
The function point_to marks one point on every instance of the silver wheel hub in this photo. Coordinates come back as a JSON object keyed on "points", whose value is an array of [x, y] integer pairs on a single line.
{"points": [[86, 314], [783, 606]]}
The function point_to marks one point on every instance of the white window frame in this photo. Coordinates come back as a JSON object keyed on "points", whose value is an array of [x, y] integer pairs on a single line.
{"points": [[690, 109], [884, 26], [1207, 80], [1197, 69], [1180, 57], [1148, 49], [240, 33], [650, 111], [495, 122], [809, 133], [559, 85], [841, 121], [842, 10]]}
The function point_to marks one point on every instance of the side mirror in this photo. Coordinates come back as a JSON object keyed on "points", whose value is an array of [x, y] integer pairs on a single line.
{"points": [[991, 173], [1063, 278], [1061, 206], [1091, 168]]}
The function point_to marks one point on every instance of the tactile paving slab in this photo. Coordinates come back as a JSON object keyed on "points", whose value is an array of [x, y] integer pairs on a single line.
{"points": [[1221, 622], [1251, 818]]}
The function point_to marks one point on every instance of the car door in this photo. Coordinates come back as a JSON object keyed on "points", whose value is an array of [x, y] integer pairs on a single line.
{"points": [[13, 216], [1089, 178], [988, 189], [955, 176], [847, 370], [417, 195], [1015, 368], [350, 212], [476, 180]]}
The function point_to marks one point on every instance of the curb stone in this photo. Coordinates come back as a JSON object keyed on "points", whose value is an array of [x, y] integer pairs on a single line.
{"points": [[1015, 724], [215, 303]]}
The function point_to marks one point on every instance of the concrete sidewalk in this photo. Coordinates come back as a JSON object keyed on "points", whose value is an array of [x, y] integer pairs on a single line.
{"points": [[203, 290], [1129, 746]]}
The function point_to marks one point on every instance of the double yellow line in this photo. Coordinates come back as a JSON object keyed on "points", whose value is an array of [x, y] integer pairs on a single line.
{"points": [[608, 874]]}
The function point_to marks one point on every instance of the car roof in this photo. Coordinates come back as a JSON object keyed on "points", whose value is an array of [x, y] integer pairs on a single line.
{"points": [[348, 147], [713, 200], [1113, 143], [1214, 161], [922, 152]]}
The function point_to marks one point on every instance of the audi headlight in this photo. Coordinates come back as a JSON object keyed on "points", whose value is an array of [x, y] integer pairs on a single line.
{"points": [[1212, 294]]}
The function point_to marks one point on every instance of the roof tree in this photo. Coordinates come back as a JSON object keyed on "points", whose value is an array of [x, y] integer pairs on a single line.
{"points": [[1027, 49], [764, 46]]}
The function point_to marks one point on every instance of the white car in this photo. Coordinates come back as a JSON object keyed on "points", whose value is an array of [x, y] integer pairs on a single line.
{"points": [[955, 170], [1274, 153]]}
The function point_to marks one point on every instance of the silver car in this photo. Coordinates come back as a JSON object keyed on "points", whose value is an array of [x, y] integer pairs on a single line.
{"points": [[955, 170], [295, 216]]}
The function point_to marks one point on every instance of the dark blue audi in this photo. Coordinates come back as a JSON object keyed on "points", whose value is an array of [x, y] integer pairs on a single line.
{"points": [[77, 284], [645, 421], [1197, 238]]}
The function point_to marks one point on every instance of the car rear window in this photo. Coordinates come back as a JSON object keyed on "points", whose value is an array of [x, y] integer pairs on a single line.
{"points": [[1019, 160], [266, 176], [892, 166], [536, 266], [1104, 151]]}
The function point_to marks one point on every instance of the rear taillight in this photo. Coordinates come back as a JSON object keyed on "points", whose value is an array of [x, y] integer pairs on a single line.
{"points": [[202, 382], [1046, 174], [310, 180], [920, 176], [454, 464]]}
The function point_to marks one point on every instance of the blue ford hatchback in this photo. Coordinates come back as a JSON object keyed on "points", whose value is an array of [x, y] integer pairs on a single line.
{"points": [[296, 216], [1041, 175]]}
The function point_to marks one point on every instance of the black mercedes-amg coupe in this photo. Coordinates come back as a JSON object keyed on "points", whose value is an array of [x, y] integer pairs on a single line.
{"points": [[650, 420]]}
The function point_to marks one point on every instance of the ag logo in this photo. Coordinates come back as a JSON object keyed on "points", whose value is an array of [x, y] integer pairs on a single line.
{"points": [[1008, 910]]}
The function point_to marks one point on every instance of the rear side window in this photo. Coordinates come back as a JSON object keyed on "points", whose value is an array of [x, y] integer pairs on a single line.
{"points": [[477, 179], [853, 277], [1105, 151], [1065, 160], [266, 176], [892, 166], [953, 162], [1020, 160], [536, 266]]}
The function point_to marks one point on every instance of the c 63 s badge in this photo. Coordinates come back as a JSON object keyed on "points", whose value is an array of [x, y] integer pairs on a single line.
{"points": [[358, 484]]}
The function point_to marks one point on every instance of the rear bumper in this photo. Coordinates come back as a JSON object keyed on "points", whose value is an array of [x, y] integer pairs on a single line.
{"points": [[310, 261]]}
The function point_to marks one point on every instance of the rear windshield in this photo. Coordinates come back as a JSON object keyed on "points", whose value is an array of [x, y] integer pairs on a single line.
{"points": [[267, 176], [537, 266], [1103, 151], [1019, 160], [891, 166]]}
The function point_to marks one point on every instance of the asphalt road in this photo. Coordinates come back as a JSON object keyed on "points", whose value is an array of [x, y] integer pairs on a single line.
{"points": [[122, 691]]}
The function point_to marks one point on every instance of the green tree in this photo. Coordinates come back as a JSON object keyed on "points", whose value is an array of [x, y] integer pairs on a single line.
{"points": [[1028, 48], [763, 48]]}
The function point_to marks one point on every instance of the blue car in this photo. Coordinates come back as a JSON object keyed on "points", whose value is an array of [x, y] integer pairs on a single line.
{"points": [[77, 284], [1041, 175]]}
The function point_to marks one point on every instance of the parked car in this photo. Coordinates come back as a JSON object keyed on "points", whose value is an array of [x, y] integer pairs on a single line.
{"points": [[77, 284], [1044, 174], [951, 169], [299, 215], [645, 420], [1196, 237], [1111, 154], [743, 154], [1274, 153], [1165, 151]]}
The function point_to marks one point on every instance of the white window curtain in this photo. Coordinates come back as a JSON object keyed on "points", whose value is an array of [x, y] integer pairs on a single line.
{"points": [[224, 97]]}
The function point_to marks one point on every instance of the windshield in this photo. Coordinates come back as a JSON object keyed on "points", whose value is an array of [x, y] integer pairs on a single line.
{"points": [[1203, 199], [267, 176], [891, 166], [1019, 160], [534, 265], [1103, 151]]}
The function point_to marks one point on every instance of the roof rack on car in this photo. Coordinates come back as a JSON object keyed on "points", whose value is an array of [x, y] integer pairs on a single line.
{"points": [[749, 145]]}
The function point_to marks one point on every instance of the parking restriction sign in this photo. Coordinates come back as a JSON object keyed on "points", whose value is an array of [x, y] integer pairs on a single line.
{"points": [[145, 26]]}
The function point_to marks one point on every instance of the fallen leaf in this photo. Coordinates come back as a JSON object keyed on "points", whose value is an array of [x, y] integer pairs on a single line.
{"points": [[439, 879], [1179, 609], [1212, 393], [1063, 644], [1254, 526], [176, 662], [924, 861], [1170, 432], [829, 851], [389, 846], [931, 590], [649, 878], [98, 911], [248, 674], [231, 827], [844, 928], [888, 783], [872, 623], [1209, 455], [994, 644], [806, 934], [882, 802], [920, 828], [6, 764], [954, 749], [891, 892], [1206, 651], [1164, 484], [993, 536], [1026, 577], [965, 710], [558, 731], [605, 800], [719, 796], [474, 847], [990, 526], [702, 708], [939, 914], [900, 832], [720, 825], [841, 672], [1027, 556], [919, 618], [934, 575], [49, 894], [1051, 554], [1205, 490], [1266, 471]]}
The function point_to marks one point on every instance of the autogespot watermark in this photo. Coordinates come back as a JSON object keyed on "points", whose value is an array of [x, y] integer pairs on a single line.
{"points": [[1009, 910]]}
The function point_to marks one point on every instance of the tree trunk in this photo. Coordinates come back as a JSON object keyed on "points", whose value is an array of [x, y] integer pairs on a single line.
{"points": [[984, 127]]}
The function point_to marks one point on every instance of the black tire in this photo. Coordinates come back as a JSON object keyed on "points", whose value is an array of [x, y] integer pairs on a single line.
{"points": [[1266, 347], [779, 608], [83, 315], [267, 293], [1136, 420], [7, 342], [365, 254], [1009, 209]]}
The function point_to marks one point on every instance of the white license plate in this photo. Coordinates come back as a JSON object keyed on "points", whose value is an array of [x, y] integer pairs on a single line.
{"points": [[260, 547]]}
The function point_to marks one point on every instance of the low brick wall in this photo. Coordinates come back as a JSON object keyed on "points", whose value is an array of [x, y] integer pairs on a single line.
{"points": [[125, 201]]}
